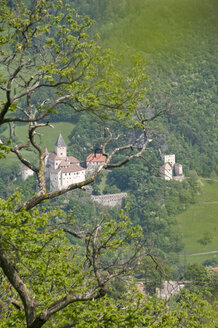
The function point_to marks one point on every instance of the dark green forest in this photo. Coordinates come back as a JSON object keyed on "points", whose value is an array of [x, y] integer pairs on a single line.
{"points": [[179, 41]]}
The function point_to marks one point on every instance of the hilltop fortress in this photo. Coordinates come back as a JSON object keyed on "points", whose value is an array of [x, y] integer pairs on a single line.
{"points": [[62, 170], [171, 170]]}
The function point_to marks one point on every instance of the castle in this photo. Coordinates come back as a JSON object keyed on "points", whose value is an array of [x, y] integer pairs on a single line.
{"points": [[170, 169], [62, 170]]}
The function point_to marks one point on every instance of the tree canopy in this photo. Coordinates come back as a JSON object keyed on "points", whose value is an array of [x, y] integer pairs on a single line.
{"points": [[48, 60]]}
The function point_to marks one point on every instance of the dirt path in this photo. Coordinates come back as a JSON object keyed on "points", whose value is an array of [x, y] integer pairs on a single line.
{"points": [[209, 179], [203, 253], [208, 203]]}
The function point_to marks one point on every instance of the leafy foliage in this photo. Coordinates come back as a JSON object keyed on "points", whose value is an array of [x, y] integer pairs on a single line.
{"points": [[50, 266]]}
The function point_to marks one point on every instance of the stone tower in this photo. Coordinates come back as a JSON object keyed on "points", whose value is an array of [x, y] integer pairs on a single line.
{"points": [[60, 147], [171, 159]]}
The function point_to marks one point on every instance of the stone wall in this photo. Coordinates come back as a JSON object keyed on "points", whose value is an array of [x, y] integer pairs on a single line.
{"points": [[110, 199], [170, 288]]}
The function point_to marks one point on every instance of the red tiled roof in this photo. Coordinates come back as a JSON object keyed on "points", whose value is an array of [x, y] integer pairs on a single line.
{"points": [[215, 269], [72, 168], [73, 159], [64, 163], [54, 156], [96, 158], [166, 166]]}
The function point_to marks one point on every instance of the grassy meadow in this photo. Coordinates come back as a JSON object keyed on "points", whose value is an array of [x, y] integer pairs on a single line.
{"points": [[47, 138], [199, 224]]}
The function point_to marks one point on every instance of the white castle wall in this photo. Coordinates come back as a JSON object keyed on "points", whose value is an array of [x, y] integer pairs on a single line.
{"points": [[171, 159], [26, 172], [178, 169], [110, 199]]}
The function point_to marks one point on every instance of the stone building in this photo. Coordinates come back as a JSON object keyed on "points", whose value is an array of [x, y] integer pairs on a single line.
{"points": [[94, 160], [171, 170], [62, 170], [171, 159], [170, 288], [178, 169], [26, 172], [110, 200], [166, 172]]}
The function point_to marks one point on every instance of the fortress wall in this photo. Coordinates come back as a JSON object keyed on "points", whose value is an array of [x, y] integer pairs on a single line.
{"points": [[110, 199]]}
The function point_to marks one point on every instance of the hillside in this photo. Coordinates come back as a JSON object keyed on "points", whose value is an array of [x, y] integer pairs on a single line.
{"points": [[10, 166], [103, 228], [47, 138], [179, 41], [198, 224]]}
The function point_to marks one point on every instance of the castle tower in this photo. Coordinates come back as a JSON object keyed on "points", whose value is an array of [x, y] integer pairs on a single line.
{"points": [[60, 147], [166, 172], [171, 159]]}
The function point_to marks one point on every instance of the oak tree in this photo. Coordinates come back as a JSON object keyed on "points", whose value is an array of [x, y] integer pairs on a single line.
{"points": [[49, 60]]}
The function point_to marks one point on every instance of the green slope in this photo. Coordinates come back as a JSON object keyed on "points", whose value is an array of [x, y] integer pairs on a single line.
{"points": [[178, 38], [47, 135], [199, 224], [47, 138]]}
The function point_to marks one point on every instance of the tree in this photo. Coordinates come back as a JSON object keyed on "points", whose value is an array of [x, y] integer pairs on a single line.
{"points": [[44, 272], [153, 271], [48, 60], [204, 280]]}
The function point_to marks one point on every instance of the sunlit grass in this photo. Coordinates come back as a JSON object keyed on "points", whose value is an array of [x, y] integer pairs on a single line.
{"points": [[199, 219], [47, 138]]}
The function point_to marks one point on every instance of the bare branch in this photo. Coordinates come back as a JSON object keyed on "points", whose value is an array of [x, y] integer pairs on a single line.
{"points": [[73, 233], [27, 163]]}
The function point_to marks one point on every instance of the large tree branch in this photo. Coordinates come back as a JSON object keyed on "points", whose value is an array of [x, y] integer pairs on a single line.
{"points": [[9, 101], [37, 321], [26, 120], [44, 316], [42, 194], [16, 281], [73, 233], [27, 163]]}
